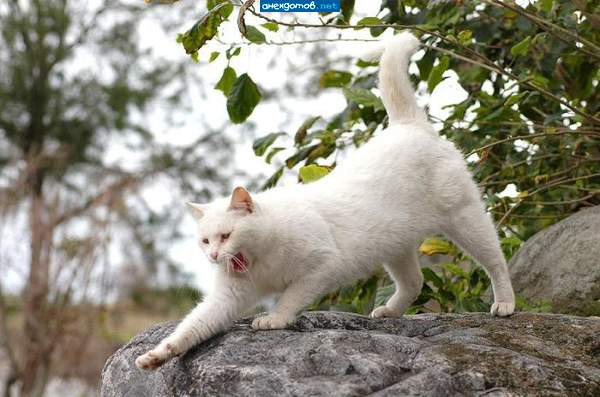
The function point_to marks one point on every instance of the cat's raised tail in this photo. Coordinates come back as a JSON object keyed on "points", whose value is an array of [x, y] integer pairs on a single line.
{"points": [[394, 83]]}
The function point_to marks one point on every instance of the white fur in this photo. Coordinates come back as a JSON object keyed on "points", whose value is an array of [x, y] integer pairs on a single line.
{"points": [[306, 240]]}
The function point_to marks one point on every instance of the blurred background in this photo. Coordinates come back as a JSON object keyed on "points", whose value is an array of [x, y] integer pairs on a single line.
{"points": [[107, 127]]}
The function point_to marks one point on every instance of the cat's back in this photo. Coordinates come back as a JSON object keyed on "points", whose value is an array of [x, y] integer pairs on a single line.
{"points": [[405, 152]]}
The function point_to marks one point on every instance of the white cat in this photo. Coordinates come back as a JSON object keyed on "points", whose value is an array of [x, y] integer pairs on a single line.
{"points": [[307, 240]]}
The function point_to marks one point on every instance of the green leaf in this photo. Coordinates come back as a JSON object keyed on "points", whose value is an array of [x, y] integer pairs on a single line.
{"points": [[370, 21], [232, 52], [472, 304], [521, 48], [225, 10], [227, 80], [456, 270], [540, 81], [432, 277], [213, 55], [335, 78], [299, 156], [435, 76], [205, 29], [255, 35], [272, 153], [384, 293], [465, 36], [365, 64], [511, 241], [363, 97], [301, 133], [271, 26], [515, 98], [545, 5], [261, 145], [323, 150], [313, 172], [243, 99], [425, 65], [272, 181], [375, 31], [347, 9]]}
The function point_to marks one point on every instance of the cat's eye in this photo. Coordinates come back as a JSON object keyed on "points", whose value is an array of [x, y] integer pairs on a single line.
{"points": [[225, 236], [205, 241]]}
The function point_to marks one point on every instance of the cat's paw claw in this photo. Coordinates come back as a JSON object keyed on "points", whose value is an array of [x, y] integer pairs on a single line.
{"points": [[502, 309], [384, 311], [270, 321]]}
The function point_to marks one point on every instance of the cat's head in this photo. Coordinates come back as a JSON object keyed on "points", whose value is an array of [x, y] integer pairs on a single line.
{"points": [[225, 230]]}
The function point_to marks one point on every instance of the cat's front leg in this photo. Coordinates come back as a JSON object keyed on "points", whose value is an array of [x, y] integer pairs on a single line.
{"points": [[296, 297], [210, 317]]}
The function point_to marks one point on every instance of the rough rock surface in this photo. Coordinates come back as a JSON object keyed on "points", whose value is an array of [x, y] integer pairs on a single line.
{"points": [[561, 265], [341, 354]]}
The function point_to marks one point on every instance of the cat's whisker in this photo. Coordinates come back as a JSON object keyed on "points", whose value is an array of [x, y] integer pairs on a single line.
{"points": [[227, 266], [242, 265]]}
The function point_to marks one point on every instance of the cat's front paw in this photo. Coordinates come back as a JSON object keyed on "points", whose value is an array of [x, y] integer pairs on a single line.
{"points": [[384, 311], [271, 321], [156, 357], [502, 309]]}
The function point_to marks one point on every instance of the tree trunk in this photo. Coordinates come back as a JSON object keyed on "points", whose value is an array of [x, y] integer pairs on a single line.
{"points": [[37, 350]]}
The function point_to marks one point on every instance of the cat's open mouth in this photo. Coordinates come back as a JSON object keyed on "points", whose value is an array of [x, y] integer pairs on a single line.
{"points": [[239, 263]]}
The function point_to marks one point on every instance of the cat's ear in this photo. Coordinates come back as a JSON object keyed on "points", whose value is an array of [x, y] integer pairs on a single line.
{"points": [[241, 200], [197, 210]]}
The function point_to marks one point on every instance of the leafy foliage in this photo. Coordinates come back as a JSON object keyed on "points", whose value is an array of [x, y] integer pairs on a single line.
{"points": [[530, 122], [359, 298]]}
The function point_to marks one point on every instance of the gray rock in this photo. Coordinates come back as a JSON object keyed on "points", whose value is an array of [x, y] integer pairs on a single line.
{"points": [[342, 354], [561, 265]]}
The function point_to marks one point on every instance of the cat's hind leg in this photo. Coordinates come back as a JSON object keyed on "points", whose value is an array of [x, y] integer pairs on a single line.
{"points": [[408, 281], [473, 230]]}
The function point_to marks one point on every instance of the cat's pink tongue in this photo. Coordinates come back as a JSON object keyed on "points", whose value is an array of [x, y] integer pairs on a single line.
{"points": [[240, 264]]}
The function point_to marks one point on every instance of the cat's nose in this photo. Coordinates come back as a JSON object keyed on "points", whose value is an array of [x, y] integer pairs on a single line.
{"points": [[214, 255]]}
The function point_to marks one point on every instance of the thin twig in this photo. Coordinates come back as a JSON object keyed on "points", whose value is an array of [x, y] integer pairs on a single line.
{"points": [[284, 43], [554, 216], [240, 21], [525, 137], [574, 201], [542, 188]]}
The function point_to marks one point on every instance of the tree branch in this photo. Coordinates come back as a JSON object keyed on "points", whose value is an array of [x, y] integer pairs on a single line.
{"points": [[104, 197], [541, 189], [482, 62], [524, 137], [550, 27], [240, 21]]}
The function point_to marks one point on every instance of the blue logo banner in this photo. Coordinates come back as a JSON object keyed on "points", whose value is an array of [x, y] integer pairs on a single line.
{"points": [[299, 5]]}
